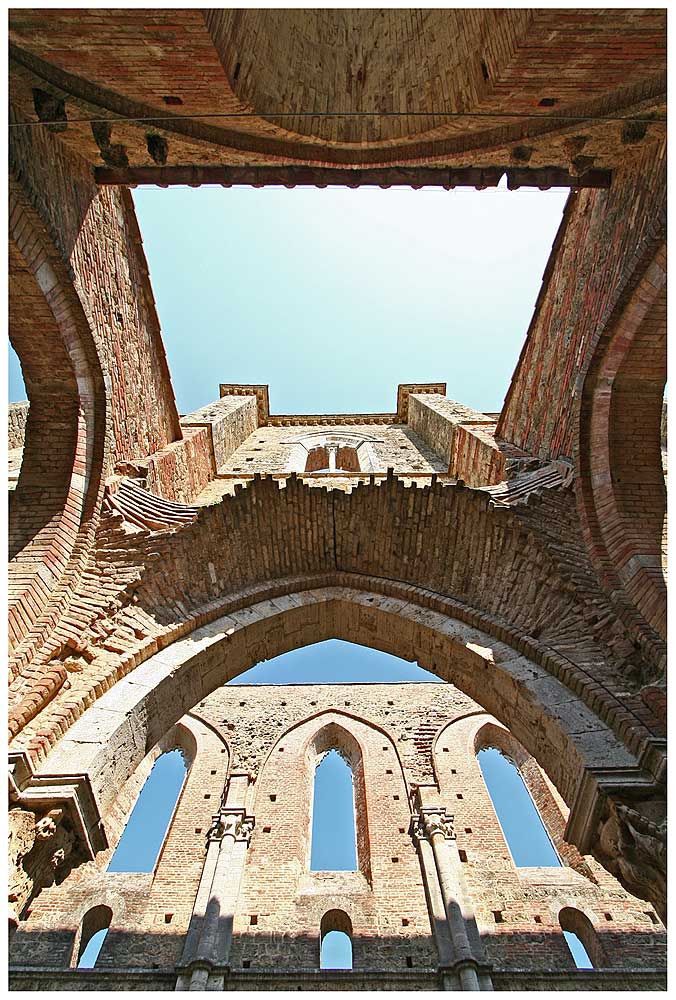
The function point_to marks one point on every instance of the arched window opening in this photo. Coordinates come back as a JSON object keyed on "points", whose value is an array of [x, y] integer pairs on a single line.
{"points": [[335, 950], [517, 814], [95, 924], [578, 951], [144, 834], [332, 458], [581, 939], [334, 845]]}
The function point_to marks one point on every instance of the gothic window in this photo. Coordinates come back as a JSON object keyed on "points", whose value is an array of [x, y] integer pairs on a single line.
{"points": [[95, 924], [334, 846], [146, 829], [580, 937], [335, 950], [517, 814]]}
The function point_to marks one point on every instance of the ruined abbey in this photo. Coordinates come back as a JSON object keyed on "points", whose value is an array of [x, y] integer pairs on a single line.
{"points": [[519, 556]]}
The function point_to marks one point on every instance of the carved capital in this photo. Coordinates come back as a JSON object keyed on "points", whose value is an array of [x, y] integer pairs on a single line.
{"points": [[429, 822], [233, 823]]}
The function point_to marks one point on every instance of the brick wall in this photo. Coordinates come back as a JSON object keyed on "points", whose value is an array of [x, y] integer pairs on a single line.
{"points": [[98, 236], [405, 733], [602, 237]]}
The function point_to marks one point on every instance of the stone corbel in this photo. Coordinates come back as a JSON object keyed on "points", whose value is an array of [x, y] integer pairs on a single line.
{"points": [[619, 816], [44, 794]]}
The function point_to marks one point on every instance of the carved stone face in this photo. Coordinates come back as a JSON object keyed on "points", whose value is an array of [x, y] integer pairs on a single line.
{"points": [[45, 828]]}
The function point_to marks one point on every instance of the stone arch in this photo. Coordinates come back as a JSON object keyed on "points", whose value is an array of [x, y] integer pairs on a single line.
{"points": [[96, 918], [352, 451], [621, 491], [334, 920], [568, 740], [157, 693], [573, 919], [56, 504]]}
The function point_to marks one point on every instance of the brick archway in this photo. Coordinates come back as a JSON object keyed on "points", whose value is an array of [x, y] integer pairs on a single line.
{"points": [[56, 505], [621, 490], [584, 758]]}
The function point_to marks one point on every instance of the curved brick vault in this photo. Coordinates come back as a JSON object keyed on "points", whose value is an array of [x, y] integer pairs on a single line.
{"points": [[621, 485], [304, 63], [55, 508]]}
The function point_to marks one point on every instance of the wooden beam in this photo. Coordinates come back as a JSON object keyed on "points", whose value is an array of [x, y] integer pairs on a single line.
{"points": [[384, 177]]}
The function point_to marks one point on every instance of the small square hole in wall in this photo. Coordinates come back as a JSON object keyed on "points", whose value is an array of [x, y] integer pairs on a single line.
{"points": [[409, 962], [168, 918], [273, 798], [459, 795], [395, 861], [386, 748], [445, 749], [207, 796], [198, 829], [498, 917], [246, 964], [468, 829], [608, 916], [281, 749], [390, 703], [313, 702], [537, 918], [388, 771], [223, 751], [463, 856], [347, 703], [266, 829], [402, 829], [453, 771], [404, 921], [253, 919], [242, 704], [213, 772], [396, 798], [283, 704]]}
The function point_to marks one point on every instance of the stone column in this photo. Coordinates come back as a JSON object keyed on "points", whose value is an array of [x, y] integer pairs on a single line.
{"points": [[432, 828], [332, 451], [209, 937]]}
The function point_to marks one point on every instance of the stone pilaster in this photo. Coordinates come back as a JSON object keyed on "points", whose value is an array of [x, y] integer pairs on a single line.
{"points": [[461, 960]]}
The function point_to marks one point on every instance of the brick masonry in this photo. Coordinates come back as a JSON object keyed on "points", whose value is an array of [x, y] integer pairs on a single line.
{"points": [[134, 533], [397, 736]]}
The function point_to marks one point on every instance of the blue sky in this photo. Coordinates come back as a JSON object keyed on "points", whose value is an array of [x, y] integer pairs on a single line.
{"points": [[333, 297]]}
